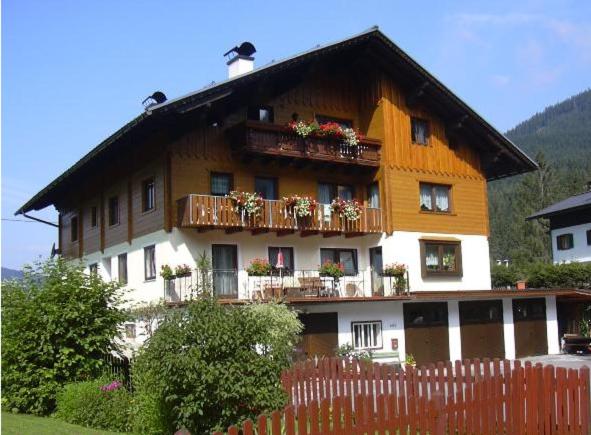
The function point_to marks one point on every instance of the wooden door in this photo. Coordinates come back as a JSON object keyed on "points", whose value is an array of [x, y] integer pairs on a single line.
{"points": [[376, 265], [320, 336], [481, 329], [426, 331], [531, 334]]}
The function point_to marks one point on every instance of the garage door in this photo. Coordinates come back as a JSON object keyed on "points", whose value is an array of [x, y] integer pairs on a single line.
{"points": [[481, 329], [529, 318], [426, 331], [320, 334]]}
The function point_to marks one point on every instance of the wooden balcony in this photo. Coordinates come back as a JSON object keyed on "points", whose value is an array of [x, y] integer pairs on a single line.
{"points": [[206, 212], [257, 138]]}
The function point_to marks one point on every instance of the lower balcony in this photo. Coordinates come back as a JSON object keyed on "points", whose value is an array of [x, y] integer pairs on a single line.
{"points": [[295, 286], [206, 212]]}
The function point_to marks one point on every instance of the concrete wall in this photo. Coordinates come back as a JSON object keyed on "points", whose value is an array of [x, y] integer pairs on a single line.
{"points": [[580, 251]]}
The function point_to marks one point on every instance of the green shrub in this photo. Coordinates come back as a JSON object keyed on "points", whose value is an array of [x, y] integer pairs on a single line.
{"points": [[57, 323], [94, 404], [210, 365], [503, 276]]}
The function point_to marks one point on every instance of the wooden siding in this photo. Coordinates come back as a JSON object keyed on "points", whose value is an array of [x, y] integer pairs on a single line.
{"points": [[69, 249], [91, 235], [115, 234], [147, 222]]}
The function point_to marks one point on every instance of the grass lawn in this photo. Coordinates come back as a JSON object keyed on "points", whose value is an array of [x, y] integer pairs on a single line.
{"points": [[22, 424]]}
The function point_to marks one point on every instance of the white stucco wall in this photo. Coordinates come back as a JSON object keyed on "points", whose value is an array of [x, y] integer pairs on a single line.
{"points": [[580, 251], [404, 247]]}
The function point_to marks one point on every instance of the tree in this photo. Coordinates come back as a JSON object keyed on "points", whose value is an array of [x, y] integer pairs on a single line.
{"points": [[57, 323], [208, 366]]}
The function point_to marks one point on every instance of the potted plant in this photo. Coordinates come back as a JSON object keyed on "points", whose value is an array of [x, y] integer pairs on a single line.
{"points": [[347, 209], [410, 360], [259, 267], [166, 272], [394, 269], [246, 202], [521, 284], [303, 128], [182, 270], [300, 206], [330, 269], [449, 262]]}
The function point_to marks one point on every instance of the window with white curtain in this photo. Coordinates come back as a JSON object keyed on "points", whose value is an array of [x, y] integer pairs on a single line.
{"points": [[419, 131], [441, 257], [329, 191], [367, 335], [150, 262], [434, 197]]}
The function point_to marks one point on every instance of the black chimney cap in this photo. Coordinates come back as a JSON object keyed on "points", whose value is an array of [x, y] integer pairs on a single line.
{"points": [[245, 49]]}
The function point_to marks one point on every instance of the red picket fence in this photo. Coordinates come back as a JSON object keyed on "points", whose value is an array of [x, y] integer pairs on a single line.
{"points": [[342, 416], [485, 397]]}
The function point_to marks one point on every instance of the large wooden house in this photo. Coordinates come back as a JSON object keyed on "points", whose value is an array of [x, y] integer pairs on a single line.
{"points": [[405, 159]]}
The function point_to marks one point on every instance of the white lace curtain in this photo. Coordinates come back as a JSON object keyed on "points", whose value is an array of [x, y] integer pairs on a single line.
{"points": [[442, 198], [426, 198]]}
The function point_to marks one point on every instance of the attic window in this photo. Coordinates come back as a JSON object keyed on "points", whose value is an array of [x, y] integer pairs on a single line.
{"points": [[74, 229], [261, 113], [419, 130]]}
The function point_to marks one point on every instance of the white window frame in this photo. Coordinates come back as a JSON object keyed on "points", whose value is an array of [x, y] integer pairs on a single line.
{"points": [[371, 340]]}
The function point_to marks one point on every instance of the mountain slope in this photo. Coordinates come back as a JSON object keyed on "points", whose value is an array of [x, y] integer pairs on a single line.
{"points": [[11, 273], [559, 138]]}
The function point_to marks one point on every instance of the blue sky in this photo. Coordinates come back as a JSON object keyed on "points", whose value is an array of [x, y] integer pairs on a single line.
{"points": [[73, 72]]}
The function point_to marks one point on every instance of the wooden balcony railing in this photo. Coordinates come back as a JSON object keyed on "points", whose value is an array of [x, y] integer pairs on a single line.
{"points": [[275, 140], [210, 212]]}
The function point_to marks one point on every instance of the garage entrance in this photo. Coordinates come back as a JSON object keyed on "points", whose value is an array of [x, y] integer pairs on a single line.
{"points": [[426, 331], [320, 336], [529, 318], [481, 329]]}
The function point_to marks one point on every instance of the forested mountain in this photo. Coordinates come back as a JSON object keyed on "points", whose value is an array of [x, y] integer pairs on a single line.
{"points": [[559, 139]]}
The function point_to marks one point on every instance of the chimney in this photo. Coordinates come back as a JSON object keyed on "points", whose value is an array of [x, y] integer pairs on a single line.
{"points": [[240, 59]]}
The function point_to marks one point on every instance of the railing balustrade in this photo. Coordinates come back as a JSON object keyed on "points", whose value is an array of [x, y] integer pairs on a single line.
{"points": [[198, 210]]}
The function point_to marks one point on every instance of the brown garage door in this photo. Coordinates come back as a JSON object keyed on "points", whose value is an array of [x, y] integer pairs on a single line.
{"points": [[529, 318], [481, 329], [426, 331], [320, 334]]}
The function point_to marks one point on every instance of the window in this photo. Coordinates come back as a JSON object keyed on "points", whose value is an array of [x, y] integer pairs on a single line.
{"points": [[328, 191], [267, 187], [93, 268], [287, 258], [367, 335], [150, 262], [130, 330], [113, 210], [588, 237], [148, 194], [419, 131], [345, 123], [435, 197], [93, 217], [441, 258], [221, 184], [347, 257], [373, 195], [564, 242], [122, 268], [74, 228], [261, 113]]}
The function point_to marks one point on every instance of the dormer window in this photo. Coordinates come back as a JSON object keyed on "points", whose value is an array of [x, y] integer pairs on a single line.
{"points": [[419, 131], [261, 113]]}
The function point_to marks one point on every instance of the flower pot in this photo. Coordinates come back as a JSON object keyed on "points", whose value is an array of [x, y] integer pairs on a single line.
{"points": [[521, 285]]}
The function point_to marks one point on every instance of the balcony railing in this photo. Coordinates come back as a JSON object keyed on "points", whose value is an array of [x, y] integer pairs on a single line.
{"points": [[208, 211], [275, 140], [289, 285]]}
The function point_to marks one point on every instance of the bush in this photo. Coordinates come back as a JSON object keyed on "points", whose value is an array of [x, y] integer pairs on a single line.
{"points": [[57, 323], [210, 365], [503, 276], [100, 404]]}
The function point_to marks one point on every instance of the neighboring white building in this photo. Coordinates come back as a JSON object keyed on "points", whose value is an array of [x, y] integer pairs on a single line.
{"points": [[155, 194], [570, 228]]}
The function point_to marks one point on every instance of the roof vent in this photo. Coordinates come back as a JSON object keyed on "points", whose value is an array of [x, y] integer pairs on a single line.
{"points": [[240, 60], [157, 97]]}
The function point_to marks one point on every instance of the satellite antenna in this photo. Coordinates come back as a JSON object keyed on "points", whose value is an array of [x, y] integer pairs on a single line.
{"points": [[54, 251]]}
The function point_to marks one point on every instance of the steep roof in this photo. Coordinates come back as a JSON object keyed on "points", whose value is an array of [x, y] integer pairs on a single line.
{"points": [[576, 202], [518, 161]]}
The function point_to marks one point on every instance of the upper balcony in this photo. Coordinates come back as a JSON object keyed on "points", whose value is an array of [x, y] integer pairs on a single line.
{"points": [[258, 138], [206, 212]]}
